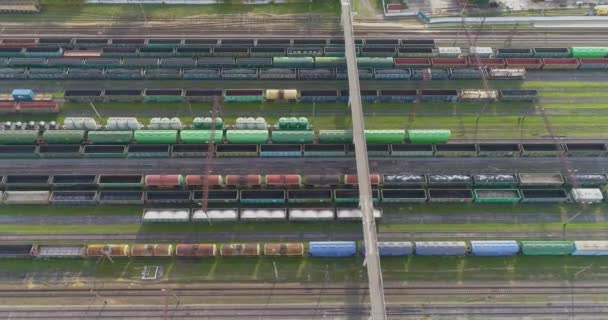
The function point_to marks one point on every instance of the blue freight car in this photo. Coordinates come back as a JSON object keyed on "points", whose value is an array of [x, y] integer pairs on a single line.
{"points": [[494, 248], [393, 249], [332, 248], [23, 94]]}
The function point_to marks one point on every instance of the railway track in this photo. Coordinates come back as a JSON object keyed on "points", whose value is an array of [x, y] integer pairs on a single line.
{"points": [[281, 291], [319, 311], [307, 236]]}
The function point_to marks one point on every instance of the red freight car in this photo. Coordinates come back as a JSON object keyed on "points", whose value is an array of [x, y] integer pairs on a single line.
{"points": [[597, 63], [412, 62], [38, 106], [449, 62], [560, 63], [528, 63], [353, 179], [164, 181], [283, 180], [18, 43], [488, 62], [213, 180], [244, 180]]}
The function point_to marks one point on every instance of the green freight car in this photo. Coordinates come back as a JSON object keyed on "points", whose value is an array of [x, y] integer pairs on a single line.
{"points": [[374, 62], [547, 248], [205, 123], [63, 136], [384, 136], [18, 137], [335, 136], [156, 136], [247, 136], [589, 52], [293, 123], [293, 136], [199, 136], [497, 195], [429, 136], [110, 137], [330, 62]]}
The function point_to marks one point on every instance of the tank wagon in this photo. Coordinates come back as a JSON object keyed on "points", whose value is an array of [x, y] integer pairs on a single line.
{"points": [[481, 248]]}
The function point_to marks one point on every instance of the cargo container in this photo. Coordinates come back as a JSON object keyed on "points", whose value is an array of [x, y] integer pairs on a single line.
{"points": [[412, 150], [314, 215], [280, 150], [438, 95], [304, 52], [164, 181], [244, 180], [215, 62], [560, 63], [449, 180], [194, 52], [404, 180], [384, 136], [17, 251], [73, 198], [498, 149], [415, 52], [487, 62], [13, 181], [22, 94], [527, 63], [124, 74], [73, 181], [412, 62], [166, 215], [364, 74], [324, 150], [352, 195], [482, 52], [551, 52], [456, 150], [18, 136], [590, 248], [507, 74], [449, 52], [589, 52], [18, 151], [335, 136], [450, 195], [293, 62], [26, 197], [156, 136], [267, 52], [354, 214], [587, 195], [309, 196], [547, 248], [151, 250], [518, 95], [541, 149], [322, 180], [316, 74], [497, 195], [110, 137], [330, 62], [544, 195], [215, 215], [429, 136], [121, 197], [263, 215], [495, 180], [236, 150], [201, 74], [494, 248], [247, 136], [283, 180], [231, 51], [216, 196], [111, 181], [404, 195], [449, 62], [392, 249], [280, 136], [585, 149], [244, 95], [168, 197], [365, 62], [514, 52], [104, 151], [398, 95], [63, 136], [110, 250], [478, 95], [262, 196], [541, 180], [200, 180], [45, 251], [284, 249], [467, 74], [332, 248], [240, 249], [198, 250], [392, 74], [443, 248], [586, 180], [593, 64], [239, 74], [353, 179]]}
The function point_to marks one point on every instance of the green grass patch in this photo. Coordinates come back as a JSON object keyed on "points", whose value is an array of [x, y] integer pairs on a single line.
{"points": [[318, 269], [74, 11]]}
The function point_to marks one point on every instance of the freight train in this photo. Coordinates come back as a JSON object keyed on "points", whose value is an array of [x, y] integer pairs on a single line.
{"points": [[481, 248]]}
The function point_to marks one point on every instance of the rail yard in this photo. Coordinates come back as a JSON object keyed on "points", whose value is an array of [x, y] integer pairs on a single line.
{"points": [[300, 167]]}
